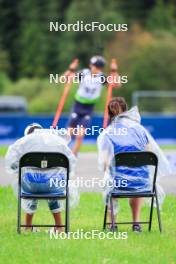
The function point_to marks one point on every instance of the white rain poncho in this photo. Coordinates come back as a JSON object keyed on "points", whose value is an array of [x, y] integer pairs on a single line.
{"points": [[42, 140], [125, 133]]}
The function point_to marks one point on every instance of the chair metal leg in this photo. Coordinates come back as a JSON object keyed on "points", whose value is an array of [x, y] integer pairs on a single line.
{"points": [[105, 216], [158, 211], [151, 214], [67, 218], [112, 214], [19, 215]]}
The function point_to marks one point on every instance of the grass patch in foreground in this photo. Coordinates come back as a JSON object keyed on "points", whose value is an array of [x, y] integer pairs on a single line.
{"points": [[88, 148], [168, 147], [84, 148], [93, 147], [38, 248], [3, 150]]}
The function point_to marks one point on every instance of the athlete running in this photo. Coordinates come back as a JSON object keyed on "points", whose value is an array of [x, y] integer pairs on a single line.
{"points": [[91, 82]]}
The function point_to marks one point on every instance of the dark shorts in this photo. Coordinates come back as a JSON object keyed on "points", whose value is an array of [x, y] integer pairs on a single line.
{"points": [[81, 115]]}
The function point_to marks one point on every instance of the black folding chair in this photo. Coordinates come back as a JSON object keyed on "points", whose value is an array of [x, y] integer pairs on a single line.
{"points": [[134, 159], [43, 160]]}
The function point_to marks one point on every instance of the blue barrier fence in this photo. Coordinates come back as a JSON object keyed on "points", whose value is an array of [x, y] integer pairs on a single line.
{"points": [[12, 126]]}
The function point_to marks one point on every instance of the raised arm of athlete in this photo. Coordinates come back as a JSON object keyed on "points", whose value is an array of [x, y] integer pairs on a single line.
{"points": [[72, 68], [114, 72]]}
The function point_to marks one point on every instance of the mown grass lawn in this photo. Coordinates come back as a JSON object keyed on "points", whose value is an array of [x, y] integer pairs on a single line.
{"points": [[3, 150], [88, 148], [39, 248]]}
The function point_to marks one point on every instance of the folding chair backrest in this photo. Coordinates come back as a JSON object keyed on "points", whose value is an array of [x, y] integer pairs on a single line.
{"points": [[44, 160], [137, 159]]}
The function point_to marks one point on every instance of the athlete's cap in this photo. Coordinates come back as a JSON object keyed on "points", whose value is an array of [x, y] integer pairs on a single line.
{"points": [[98, 61]]}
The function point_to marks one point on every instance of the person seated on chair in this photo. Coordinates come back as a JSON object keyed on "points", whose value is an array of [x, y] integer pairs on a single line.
{"points": [[125, 133], [34, 180]]}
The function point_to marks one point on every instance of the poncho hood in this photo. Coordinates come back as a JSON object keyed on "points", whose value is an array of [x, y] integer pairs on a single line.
{"points": [[132, 114]]}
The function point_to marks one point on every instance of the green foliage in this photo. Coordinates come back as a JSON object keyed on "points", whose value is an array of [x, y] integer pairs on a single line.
{"points": [[154, 67], [42, 97], [29, 52], [39, 48], [29, 88], [9, 35], [48, 99], [4, 61], [148, 59], [33, 51], [162, 16], [4, 82], [85, 44], [135, 10]]}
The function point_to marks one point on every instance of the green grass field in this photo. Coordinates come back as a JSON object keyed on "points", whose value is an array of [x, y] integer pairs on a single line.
{"points": [[3, 150], [39, 248], [87, 148]]}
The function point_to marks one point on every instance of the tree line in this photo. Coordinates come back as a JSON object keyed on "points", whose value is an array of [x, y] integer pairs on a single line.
{"points": [[27, 48]]}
